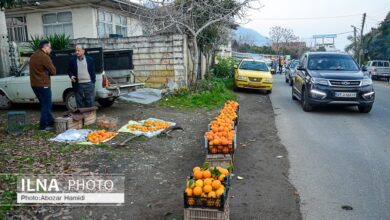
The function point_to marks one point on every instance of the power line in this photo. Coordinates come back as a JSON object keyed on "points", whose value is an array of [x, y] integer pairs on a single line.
{"points": [[308, 18]]}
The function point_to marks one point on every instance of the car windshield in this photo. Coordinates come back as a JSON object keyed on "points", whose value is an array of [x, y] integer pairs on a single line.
{"points": [[332, 62], [253, 65], [294, 64]]}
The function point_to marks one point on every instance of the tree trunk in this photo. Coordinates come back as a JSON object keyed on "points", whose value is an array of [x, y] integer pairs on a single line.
{"points": [[196, 60], [4, 47]]}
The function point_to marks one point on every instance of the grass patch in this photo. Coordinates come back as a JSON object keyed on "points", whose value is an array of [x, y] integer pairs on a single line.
{"points": [[209, 94]]}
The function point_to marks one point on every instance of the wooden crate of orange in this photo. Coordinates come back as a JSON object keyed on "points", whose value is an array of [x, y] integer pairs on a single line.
{"points": [[207, 188], [100, 136]]}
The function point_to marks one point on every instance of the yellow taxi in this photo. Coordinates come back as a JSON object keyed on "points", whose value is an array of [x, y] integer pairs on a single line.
{"points": [[253, 74]]}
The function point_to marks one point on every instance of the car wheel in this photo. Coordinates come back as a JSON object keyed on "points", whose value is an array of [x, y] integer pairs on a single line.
{"points": [[70, 101], [269, 91], [292, 94], [106, 102], [235, 88], [365, 108], [286, 79], [5, 103], [305, 104], [290, 82], [374, 77]]}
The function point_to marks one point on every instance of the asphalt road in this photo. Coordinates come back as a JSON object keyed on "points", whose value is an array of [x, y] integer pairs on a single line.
{"points": [[338, 156]]}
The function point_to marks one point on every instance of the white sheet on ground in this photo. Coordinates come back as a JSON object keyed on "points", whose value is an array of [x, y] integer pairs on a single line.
{"points": [[72, 135], [147, 134], [143, 96]]}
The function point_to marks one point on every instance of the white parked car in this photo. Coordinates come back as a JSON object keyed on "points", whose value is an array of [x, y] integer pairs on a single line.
{"points": [[17, 89], [378, 69]]}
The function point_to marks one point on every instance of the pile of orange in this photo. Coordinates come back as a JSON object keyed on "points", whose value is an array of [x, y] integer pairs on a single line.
{"points": [[100, 136], [149, 126], [207, 183], [221, 134]]}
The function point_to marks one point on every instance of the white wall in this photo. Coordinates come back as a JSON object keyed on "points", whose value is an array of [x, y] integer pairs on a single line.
{"points": [[84, 23], [134, 27], [34, 24]]}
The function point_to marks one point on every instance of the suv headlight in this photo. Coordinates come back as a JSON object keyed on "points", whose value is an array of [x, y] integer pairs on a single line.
{"points": [[366, 82], [320, 81], [242, 78]]}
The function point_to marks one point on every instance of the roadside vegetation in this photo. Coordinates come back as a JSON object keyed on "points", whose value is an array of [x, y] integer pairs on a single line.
{"points": [[210, 93]]}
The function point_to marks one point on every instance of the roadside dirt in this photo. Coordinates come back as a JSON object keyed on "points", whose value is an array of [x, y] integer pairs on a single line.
{"points": [[156, 168]]}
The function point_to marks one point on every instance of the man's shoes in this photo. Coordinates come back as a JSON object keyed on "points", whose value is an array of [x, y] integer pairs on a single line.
{"points": [[48, 128]]}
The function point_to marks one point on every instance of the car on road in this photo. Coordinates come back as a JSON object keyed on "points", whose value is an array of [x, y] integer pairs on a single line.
{"points": [[379, 69], [332, 78], [17, 89], [290, 71], [253, 74]]}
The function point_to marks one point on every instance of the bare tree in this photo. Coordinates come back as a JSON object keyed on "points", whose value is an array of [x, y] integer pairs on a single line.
{"points": [[281, 35], [192, 17]]}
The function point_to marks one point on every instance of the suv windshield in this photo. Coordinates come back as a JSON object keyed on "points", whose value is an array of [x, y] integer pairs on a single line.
{"points": [[294, 64], [253, 65], [332, 62]]}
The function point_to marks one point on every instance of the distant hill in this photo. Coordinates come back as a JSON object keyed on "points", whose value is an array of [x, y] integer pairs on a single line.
{"points": [[251, 36]]}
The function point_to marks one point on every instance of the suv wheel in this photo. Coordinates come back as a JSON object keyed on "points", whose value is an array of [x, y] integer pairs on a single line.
{"points": [[290, 81], [70, 101], [286, 79], [5, 103], [365, 108], [305, 104], [292, 93], [106, 102]]}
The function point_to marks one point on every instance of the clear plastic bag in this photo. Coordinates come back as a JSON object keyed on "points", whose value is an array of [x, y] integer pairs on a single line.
{"points": [[108, 123]]}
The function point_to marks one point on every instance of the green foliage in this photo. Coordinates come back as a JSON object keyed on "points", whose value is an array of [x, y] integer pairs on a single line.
{"points": [[58, 41], [224, 68], [208, 94], [10, 3]]}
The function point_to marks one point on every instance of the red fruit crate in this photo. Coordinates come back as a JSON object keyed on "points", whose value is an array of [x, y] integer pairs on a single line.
{"points": [[208, 214]]}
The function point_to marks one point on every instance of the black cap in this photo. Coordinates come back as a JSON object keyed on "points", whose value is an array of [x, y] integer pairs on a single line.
{"points": [[43, 43]]}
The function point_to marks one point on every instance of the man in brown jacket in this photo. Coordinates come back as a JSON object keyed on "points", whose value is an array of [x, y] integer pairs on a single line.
{"points": [[41, 68]]}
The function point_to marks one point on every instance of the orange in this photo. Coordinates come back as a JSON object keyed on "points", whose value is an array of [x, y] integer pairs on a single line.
{"points": [[198, 174], [212, 194], [189, 192], [221, 177], [199, 183], [216, 184], [219, 192], [207, 188], [206, 174], [207, 181], [197, 191], [195, 169]]}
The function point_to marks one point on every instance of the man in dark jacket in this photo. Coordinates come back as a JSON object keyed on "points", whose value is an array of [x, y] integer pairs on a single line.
{"points": [[41, 68], [82, 75]]}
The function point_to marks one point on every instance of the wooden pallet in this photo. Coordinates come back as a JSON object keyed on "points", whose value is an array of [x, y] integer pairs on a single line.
{"points": [[222, 160], [207, 214], [62, 124]]}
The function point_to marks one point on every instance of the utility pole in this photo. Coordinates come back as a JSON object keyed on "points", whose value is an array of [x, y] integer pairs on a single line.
{"points": [[361, 51], [355, 46]]}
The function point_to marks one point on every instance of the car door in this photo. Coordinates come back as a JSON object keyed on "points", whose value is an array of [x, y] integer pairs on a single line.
{"points": [[19, 87], [299, 78]]}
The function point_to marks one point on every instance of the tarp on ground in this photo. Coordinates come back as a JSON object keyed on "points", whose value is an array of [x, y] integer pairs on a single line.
{"points": [[143, 96], [124, 128]]}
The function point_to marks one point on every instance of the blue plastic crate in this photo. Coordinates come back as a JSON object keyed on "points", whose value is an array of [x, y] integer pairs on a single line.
{"points": [[16, 122]]}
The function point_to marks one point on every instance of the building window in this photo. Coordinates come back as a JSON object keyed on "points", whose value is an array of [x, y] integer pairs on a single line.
{"points": [[104, 24], [58, 23], [17, 29], [121, 25]]}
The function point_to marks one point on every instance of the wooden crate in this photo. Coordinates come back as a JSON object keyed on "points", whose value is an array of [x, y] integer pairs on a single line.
{"points": [[207, 214], [89, 118], [62, 124], [222, 160]]}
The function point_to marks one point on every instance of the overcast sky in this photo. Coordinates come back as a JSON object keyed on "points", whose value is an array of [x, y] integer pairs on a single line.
{"points": [[296, 15]]}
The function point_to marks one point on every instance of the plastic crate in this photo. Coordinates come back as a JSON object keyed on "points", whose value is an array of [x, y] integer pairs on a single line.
{"points": [[207, 203], [16, 122], [222, 160], [208, 214]]}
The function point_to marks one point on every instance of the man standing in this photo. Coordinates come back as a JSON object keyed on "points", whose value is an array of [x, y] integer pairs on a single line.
{"points": [[82, 75], [41, 68]]}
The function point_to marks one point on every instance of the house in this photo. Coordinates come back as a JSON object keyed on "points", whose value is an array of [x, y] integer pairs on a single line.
{"points": [[77, 19]]}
